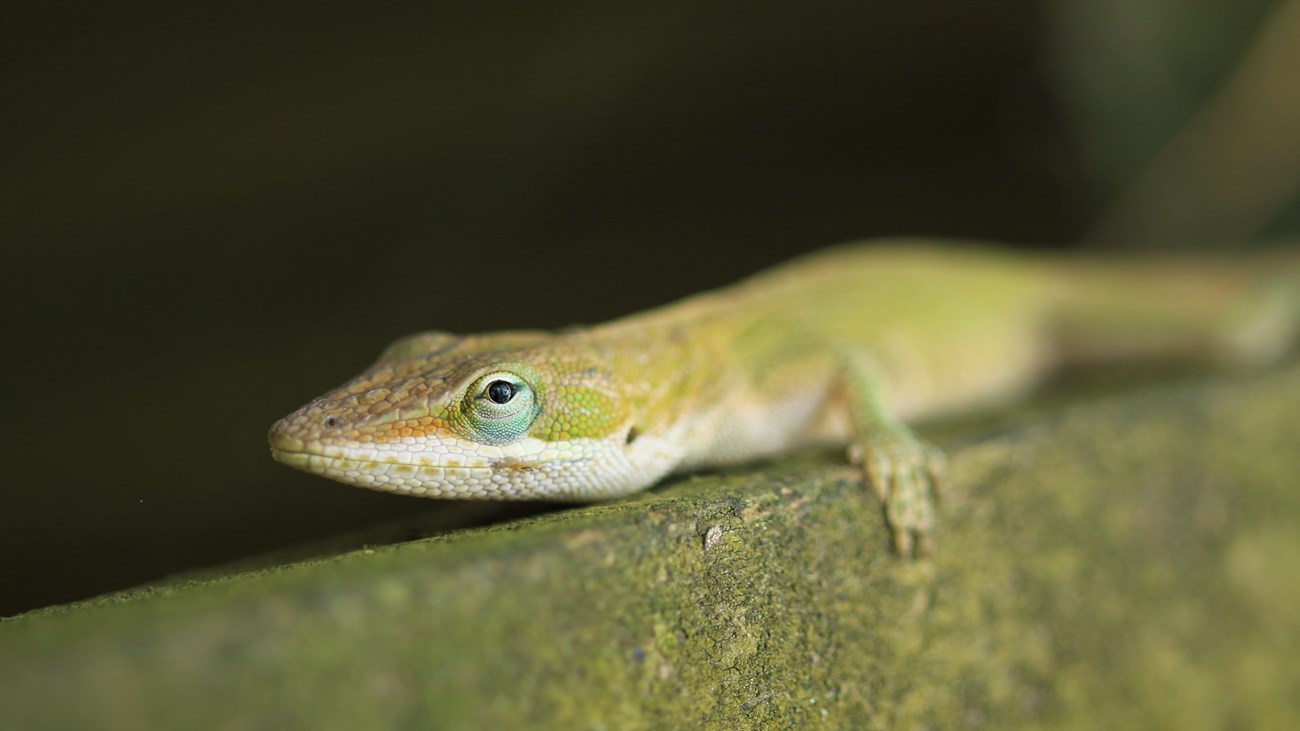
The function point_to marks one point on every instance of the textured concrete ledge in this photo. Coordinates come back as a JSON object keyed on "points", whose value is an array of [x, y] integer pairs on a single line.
{"points": [[1133, 563]]}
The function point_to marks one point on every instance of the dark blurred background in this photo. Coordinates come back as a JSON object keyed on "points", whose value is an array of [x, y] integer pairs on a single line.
{"points": [[210, 216]]}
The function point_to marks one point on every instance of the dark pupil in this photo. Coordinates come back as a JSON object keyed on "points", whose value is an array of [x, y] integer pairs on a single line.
{"points": [[501, 392]]}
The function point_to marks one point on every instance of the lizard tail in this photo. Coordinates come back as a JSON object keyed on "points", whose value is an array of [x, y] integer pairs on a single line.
{"points": [[1271, 307], [1236, 311]]}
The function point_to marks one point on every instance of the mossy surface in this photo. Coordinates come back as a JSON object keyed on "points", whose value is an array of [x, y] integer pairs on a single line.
{"points": [[1132, 563]]}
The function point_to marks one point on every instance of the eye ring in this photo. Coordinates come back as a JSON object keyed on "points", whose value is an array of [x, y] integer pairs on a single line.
{"points": [[500, 392], [499, 408]]}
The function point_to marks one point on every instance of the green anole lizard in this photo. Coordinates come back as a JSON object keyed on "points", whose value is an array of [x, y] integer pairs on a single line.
{"points": [[845, 346]]}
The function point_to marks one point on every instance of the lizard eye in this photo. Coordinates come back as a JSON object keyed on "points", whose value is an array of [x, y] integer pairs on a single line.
{"points": [[499, 407], [500, 392]]}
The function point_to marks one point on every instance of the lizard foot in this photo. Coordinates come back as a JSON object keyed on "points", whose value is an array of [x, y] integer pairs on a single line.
{"points": [[907, 474]]}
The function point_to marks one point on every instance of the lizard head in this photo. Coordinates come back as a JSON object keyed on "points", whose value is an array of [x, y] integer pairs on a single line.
{"points": [[499, 416]]}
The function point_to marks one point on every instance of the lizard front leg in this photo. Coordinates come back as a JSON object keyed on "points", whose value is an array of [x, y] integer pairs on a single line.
{"points": [[905, 472]]}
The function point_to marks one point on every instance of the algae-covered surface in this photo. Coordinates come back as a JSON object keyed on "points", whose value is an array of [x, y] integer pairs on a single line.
{"points": [[1130, 563]]}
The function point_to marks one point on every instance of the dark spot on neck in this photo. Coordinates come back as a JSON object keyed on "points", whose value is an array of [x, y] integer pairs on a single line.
{"points": [[632, 435]]}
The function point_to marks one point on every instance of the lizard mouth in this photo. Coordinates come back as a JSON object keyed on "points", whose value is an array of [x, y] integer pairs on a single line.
{"points": [[305, 454], [421, 474], [440, 469], [308, 459], [291, 457], [405, 478]]}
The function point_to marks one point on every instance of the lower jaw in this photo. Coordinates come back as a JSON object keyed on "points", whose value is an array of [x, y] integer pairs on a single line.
{"points": [[292, 459], [399, 478]]}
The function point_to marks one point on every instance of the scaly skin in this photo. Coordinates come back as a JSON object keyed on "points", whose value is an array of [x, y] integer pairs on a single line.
{"points": [[844, 346]]}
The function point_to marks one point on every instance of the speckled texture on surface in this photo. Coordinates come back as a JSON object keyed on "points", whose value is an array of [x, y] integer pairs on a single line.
{"points": [[1133, 563]]}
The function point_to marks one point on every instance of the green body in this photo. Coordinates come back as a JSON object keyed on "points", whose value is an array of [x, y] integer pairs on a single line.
{"points": [[844, 346]]}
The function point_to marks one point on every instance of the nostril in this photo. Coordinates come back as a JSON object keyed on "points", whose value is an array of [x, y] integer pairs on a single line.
{"points": [[333, 422]]}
